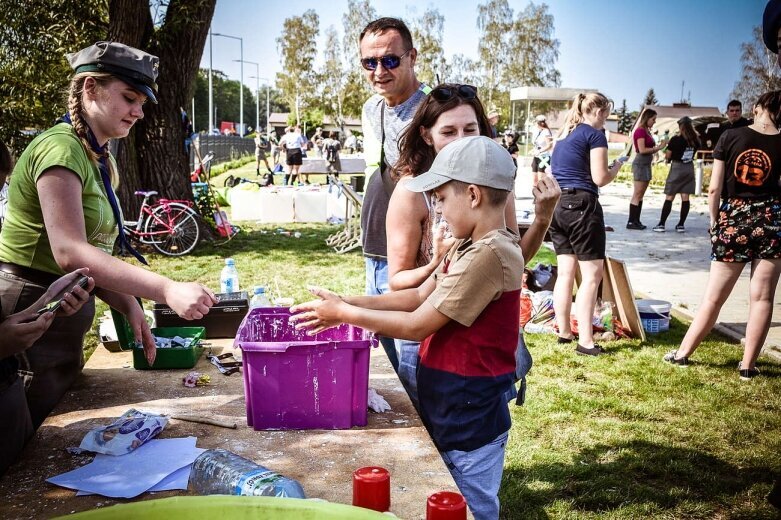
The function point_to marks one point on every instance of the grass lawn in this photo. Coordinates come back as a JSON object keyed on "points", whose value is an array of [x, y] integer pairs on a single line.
{"points": [[619, 436]]}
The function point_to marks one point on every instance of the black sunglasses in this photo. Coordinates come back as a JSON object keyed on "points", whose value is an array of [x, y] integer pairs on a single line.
{"points": [[391, 61], [443, 94]]}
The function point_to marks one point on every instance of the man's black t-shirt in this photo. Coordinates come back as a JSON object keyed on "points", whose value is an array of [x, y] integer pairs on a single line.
{"points": [[752, 163]]}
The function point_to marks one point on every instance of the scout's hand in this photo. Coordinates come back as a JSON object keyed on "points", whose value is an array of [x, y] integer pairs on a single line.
{"points": [[74, 299], [318, 315], [190, 301], [546, 196], [142, 333]]}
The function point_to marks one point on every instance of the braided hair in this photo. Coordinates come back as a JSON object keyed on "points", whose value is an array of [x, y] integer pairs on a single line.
{"points": [[76, 109]]}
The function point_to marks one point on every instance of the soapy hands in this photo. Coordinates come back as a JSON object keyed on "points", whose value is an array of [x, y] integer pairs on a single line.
{"points": [[318, 315]]}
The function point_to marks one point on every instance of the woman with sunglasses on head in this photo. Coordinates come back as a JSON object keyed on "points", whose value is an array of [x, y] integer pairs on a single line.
{"points": [[416, 241], [744, 199], [579, 163], [63, 215]]}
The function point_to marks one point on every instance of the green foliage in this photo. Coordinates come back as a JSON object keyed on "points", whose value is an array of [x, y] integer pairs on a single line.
{"points": [[310, 119], [297, 48], [35, 37], [427, 32], [759, 73], [650, 99], [625, 119], [358, 15], [514, 51], [226, 101]]}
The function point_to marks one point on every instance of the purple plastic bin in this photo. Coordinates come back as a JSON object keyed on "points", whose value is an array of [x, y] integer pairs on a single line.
{"points": [[294, 381]]}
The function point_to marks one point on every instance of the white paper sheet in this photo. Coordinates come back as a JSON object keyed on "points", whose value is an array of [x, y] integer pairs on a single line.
{"points": [[128, 476], [176, 480]]}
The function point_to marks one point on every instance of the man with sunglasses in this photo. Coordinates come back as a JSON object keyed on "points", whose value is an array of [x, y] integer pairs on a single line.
{"points": [[388, 60]]}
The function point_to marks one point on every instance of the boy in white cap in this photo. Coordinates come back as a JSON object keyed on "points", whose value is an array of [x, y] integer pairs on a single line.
{"points": [[464, 314]]}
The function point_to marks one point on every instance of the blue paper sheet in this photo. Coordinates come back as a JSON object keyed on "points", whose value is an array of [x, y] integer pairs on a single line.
{"points": [[176, 480], [128, 476]]}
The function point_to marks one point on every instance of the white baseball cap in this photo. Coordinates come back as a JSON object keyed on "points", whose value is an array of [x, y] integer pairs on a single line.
{"points": [[540, 118], [473, 160]]}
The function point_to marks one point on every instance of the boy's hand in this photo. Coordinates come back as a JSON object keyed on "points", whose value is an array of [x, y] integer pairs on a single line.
{"points": [[318, 315], [442, 242]]}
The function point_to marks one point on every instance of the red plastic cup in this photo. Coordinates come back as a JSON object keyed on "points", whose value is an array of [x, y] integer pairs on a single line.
{"points": [[446, 505], [371, 488]]}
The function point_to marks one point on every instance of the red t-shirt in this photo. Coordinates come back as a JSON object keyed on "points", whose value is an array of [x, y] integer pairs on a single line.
{"points": [[642, 133]]}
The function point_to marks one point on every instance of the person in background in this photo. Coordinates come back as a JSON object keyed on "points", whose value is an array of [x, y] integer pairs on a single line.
{"points": [[63, 215], [645, 148], [351, 144], [735, 119], [274, 142], [466, 314], [493, 120], [680, 152], [318, 139], [744, 201], [579, 164], [416, 240], [293, 145], [331, 148], [388, 59], [262, 145], [509, 143], [543, 144]]}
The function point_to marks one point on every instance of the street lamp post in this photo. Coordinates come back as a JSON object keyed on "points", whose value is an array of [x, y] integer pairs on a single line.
{"points": [[241, 81], [268, 113], [257, 94]]}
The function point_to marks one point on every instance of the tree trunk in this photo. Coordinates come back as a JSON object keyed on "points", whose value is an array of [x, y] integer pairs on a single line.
{"points": [[153, 155]]}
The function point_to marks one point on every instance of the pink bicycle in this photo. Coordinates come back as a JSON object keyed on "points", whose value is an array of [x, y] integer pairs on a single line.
{"points": [[170, 226]]}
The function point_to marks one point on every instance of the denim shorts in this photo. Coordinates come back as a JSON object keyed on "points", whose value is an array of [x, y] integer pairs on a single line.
{"points": [[377, 283], [478, 475]]}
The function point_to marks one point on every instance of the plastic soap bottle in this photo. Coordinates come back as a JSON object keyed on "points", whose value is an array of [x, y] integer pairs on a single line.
{"points": [[220, 472], [259, 298], [229, 277]]}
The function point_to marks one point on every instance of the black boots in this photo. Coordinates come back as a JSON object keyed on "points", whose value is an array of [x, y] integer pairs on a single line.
{"points": [[634, 216]]}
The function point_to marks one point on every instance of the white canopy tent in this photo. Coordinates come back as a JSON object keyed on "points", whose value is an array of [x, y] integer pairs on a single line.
{"points": [[550, 94]]}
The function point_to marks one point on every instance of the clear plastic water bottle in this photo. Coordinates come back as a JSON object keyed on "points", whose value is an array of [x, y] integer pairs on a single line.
{"points": [[220, 472], [259, 298], [229, 277]]}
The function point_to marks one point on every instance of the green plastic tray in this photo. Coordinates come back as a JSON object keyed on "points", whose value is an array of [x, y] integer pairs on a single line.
{"points": [[172, 357]]}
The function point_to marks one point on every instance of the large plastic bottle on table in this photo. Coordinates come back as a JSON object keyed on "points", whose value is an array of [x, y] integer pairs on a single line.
{"points": [[229, 277], [221, 472]]}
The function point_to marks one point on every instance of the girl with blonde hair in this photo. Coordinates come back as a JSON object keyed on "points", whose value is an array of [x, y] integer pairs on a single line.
{"points": [[579, 164], [63, 215]]}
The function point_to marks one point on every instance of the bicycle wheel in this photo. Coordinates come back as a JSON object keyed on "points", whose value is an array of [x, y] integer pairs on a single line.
{"points": [[172, 228]]}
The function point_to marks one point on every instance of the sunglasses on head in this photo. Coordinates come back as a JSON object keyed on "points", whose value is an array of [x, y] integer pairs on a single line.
{"points": [[449, 92], [391, 61]]}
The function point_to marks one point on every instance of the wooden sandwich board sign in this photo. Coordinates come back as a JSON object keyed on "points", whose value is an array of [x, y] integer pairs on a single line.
{"points": [[617, 288], [622, 295]]}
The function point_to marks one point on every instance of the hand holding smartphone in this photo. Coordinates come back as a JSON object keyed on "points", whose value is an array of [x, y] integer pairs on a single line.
{"points": [[54, 305]]}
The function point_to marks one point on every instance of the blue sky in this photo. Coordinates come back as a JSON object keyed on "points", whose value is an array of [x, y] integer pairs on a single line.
{"points": [[621, 47]]}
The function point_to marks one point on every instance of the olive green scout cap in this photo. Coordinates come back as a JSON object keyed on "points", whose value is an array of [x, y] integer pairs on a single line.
{"points": [[135, 67], [474, 160]]}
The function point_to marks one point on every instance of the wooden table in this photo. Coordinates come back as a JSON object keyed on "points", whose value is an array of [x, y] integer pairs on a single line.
{"points": [[321, 460]]}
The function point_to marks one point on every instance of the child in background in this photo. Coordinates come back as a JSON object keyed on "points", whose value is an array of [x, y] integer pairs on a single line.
{"points": [[465, 314]]}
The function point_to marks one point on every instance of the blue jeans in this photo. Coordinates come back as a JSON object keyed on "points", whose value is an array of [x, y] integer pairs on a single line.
{"points": [[377, 283], [478, 475], [407, 354]]}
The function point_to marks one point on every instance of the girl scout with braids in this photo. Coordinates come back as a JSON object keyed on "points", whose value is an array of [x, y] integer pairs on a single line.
{"points": [[63, 215]]}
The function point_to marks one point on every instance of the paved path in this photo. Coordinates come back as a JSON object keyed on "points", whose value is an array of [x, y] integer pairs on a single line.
{"points": [[674, 266]]}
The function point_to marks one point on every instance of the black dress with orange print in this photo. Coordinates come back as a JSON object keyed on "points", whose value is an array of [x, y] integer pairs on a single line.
{"points": [[752, 163]]}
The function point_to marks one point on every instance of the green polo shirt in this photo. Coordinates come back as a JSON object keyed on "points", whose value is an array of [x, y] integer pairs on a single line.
{"points": [[24, 240]]}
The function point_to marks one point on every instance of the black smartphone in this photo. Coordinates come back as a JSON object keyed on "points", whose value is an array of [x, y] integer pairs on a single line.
{"points": [[54, 305]]}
